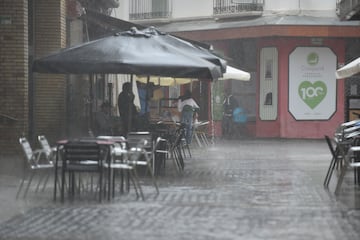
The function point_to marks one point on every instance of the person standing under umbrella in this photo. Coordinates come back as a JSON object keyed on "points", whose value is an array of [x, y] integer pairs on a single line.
{"points": [[187, 106], [145, 91], [127, 108], [229, 104]]}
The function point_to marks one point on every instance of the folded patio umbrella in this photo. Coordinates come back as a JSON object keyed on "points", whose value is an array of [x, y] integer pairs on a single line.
{"points": [[235, 74], [131, 52], [349, 69]]}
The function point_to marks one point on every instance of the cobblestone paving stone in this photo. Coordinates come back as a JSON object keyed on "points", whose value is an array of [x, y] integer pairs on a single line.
{"points": [[248, 189]]}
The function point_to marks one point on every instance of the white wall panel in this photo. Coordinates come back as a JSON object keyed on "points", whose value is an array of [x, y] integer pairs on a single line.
{"points": [[268, 99], [204, 8], [192, 8]]}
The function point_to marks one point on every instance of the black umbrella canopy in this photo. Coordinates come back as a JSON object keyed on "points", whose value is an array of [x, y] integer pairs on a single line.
{"points": [[187, 47], [130, 52], [101, 25]]}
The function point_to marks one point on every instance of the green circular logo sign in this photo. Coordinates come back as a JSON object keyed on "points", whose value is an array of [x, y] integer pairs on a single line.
{"points": [[312, 59]]}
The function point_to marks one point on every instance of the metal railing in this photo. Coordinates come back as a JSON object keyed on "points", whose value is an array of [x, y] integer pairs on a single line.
{"points": [[149, 9], [158, 9], [222, 7], [347, 8]]}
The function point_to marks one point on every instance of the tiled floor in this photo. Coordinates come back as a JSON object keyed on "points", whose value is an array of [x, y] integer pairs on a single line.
{"points": [[245, 189]]}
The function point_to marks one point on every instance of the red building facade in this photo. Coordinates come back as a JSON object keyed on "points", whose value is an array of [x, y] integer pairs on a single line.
{"points": [[295, 110]]}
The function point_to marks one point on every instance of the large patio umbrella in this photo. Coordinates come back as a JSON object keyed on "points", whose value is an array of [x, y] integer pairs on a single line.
{"points": [[131, 52], [349, 69], [187, 47]]}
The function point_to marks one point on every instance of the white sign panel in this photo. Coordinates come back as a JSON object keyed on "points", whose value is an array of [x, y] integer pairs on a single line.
{"points": [[312, 83]]}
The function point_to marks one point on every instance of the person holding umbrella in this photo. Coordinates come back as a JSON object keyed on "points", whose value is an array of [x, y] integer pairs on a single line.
{"points": [[127, 108]]}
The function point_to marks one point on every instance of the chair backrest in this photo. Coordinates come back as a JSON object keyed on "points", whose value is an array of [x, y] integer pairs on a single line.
{"points": [[116, 139], [179, 135], [350, 123], [45, 144], [160, 145], [133, 139], [140, 152], [352, 135], [27, 150], [78, 152]]}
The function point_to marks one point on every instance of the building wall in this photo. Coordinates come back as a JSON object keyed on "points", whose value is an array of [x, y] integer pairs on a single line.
{"points": [[16, 78], [286, 125], [13, 74], [182, 9], [290, 5], [50, 90], [285, 38], [191, 8]]}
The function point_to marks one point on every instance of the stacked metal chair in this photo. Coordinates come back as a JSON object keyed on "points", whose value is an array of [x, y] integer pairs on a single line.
{"points": [[141, 152], [36, 163], [200, 134], [345, 153], [119, 164]]}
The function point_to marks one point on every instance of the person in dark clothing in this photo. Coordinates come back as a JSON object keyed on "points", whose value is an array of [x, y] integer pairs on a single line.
{"points": [[103, 120], [229, 104], [127, 108]]}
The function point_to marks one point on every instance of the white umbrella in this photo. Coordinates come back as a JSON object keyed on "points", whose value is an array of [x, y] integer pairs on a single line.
{"points": [[349, 69], [230, 74], [235, 74]]}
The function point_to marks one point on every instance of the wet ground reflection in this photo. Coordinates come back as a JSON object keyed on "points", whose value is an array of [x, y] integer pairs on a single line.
{"points": [[247, 189]]}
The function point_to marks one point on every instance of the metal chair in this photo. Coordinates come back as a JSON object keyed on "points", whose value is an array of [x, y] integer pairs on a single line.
{"points": [[161, 153], [49, 151], [82, 157], [176, 149], [351, 161], [334, 160], [117, 163], [200, 132], [35, 162], [145, 139], [141, 156], [51, 154]]}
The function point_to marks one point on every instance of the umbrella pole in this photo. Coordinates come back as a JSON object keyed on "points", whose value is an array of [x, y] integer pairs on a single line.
{"points": [[130, 106], [110, 94], [212, 113], [147, 94], [91, 98]]}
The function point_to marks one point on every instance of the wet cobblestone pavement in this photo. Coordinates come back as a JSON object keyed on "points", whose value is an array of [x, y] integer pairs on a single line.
{"points": [[247, 189]]}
